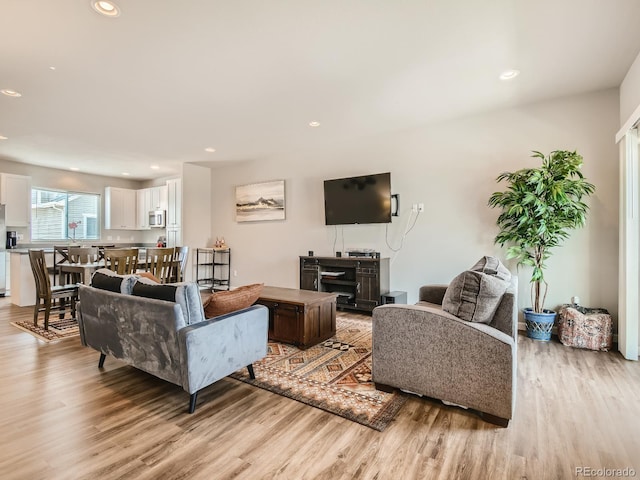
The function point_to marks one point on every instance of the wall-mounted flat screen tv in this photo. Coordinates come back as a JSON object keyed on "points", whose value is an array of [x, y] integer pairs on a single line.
{"points": [[364, 199]]}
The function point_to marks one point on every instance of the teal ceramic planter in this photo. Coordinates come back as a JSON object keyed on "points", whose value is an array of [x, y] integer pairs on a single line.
{"points": [[539, 325]]}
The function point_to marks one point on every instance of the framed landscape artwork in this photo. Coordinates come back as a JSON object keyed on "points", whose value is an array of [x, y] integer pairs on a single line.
{"points": [[260, 201]]}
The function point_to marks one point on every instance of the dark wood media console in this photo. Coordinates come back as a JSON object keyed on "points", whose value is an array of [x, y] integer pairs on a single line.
{"points": [[358, 282]]}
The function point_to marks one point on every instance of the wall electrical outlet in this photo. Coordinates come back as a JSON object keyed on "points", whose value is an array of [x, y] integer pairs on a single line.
{"points": [[421, 207], [414, 208], [235, 273], [20, 236]]}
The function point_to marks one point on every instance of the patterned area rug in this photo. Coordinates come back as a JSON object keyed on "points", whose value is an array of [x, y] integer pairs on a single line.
{"points": [[334, 375], [58, 329]]}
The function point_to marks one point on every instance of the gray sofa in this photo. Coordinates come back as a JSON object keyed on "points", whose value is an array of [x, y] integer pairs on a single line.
{"points": [[171, 339], [425, 350]]}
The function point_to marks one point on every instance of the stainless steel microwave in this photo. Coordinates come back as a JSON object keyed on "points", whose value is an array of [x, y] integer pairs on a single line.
{"points": [[158, 218]]}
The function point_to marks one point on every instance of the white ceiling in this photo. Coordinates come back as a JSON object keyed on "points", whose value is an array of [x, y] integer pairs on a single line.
{"points": [[166, 79]]}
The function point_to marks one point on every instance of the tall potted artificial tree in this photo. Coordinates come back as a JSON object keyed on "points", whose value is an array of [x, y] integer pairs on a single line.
{"points": [[539, 208]]}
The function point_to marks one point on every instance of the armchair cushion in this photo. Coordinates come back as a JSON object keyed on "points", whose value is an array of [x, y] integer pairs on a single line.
{"points": [[474, 296], [492, 266]]}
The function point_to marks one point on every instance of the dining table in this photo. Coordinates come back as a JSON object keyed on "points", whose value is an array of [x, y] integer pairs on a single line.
{"points": [[85, 270]]}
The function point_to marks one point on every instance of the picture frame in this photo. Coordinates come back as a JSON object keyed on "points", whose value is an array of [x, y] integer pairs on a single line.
{"points": [[259, 202]]}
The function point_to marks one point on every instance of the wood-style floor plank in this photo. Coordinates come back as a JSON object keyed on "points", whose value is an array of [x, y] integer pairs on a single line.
{"points": [[63, 418]]}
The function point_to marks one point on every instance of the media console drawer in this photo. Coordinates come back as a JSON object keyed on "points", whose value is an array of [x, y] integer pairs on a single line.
{"points": [[300, 317]]}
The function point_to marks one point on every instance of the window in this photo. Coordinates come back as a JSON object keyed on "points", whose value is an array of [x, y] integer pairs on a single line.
{"points": [[64, 215]]}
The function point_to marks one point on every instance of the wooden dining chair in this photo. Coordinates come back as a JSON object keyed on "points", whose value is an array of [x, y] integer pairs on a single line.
{"points": [[80, 255], [101, 249], [180, 255], [49, 297], [159, 262], [83, 254], [123, 261], [60, 256]]}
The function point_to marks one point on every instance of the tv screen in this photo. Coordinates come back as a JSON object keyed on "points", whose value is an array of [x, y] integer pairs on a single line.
{"points": [[365, 199]]}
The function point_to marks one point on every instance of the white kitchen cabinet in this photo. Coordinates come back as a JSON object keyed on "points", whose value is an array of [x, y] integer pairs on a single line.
{"points": [[158, 198], [174, 207], [174, 237], [143, 203], [15, 193], [119, 209]]}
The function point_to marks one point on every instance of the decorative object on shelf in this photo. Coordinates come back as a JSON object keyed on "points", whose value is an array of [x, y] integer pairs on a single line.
{"points": [[220, 244], [162, 241], [539, 208], [260, 201]]}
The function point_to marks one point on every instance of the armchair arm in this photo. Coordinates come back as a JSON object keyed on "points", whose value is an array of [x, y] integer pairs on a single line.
{"points": [[432, 293], [215, 348], [424, 350]]}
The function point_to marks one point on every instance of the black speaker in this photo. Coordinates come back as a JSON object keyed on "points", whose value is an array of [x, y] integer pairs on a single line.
{"points": [[394, 297]]}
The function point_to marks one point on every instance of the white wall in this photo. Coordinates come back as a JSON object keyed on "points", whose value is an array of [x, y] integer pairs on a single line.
{"points": [[451, 168], [628, 295], [196, 212], [42, 177], [630, 92]]}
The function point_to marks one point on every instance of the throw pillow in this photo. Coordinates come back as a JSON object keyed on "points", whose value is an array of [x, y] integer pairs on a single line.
{"points": [[229, 301], [492, 266], [106, 279], [474, 296], [185, 294], [155, 290]]}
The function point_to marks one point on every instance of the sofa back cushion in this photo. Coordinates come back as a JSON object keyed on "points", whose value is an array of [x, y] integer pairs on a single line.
{"points": [[185, 294], [106, 279], [474, 296]]}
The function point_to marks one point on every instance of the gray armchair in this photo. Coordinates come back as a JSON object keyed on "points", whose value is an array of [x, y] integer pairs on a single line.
{"points": [[425, 350]]}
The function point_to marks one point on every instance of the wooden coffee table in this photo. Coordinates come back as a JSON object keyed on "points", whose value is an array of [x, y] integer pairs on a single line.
{"points": [[301, 317]]}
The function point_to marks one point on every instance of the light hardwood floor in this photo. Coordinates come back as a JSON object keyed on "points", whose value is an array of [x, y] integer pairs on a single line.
{"points": [[62, 418]]}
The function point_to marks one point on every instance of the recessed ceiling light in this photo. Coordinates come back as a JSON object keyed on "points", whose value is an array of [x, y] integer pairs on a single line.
{"points": [[106, 8], [2, 137], [314, 124], [10, 93], [155, 167], [509, 74], [126, 174], [52, 68], [209, 149], [74, 169]]}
